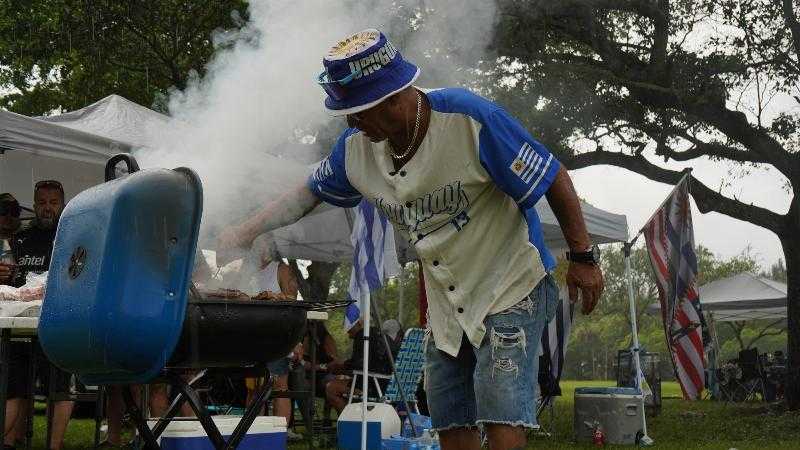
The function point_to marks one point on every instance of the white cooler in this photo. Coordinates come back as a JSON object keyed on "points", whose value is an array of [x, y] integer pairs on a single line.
{"points": [[616, 410], [382, 423], [266, 433]]}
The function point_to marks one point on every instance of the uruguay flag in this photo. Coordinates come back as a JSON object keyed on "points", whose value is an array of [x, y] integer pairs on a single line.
{"points": [[374, 258]]}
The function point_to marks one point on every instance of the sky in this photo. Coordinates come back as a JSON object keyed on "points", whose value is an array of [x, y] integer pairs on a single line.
{"points": [[623, 192]]}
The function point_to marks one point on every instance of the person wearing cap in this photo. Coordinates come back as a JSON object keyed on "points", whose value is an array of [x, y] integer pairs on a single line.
{"points": [[458, 176], [9, 224]]}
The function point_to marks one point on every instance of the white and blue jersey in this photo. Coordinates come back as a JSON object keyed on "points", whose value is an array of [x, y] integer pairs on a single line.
{"points": [[465, 201]]}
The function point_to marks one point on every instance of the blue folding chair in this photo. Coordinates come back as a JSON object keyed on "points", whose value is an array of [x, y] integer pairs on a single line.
{"points": [[408, 371]]}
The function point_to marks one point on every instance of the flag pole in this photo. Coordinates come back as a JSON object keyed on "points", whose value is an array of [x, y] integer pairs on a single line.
{"points": [[686, 174], [645, 440]]}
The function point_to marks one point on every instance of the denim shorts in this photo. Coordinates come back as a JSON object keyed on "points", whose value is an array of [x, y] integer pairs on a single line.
{"points": [[497, 382], [279, 367]]}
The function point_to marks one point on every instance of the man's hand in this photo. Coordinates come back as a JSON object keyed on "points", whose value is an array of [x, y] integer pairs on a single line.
{"points": [[588, 278], [233, 238], [6, 273]]}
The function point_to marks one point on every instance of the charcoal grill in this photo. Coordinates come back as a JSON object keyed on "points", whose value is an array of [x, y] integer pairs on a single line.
{"points": [[117, 308]]}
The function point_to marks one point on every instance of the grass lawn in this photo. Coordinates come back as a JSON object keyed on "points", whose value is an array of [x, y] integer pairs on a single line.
{"points": [[680, 426]]}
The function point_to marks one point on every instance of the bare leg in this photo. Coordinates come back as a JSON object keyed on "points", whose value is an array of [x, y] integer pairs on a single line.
{"points": [[115, 412], [282, 406], [186, 408], [336, 393], [61, 414], [460, 439], [20, 425], [12, 417], [159, 402], [505, 437]]}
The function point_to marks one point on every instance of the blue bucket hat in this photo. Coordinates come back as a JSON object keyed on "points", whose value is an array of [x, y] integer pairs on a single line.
{"points": [[361, 71]]}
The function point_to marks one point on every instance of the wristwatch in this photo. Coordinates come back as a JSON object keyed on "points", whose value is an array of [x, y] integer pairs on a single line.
{"points": [[587, 257]]}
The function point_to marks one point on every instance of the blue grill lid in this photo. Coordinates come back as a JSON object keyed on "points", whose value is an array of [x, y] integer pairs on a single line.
{"points": [[121, 267]]}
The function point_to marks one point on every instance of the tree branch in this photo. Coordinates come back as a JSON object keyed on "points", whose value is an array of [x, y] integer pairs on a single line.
{"points": [[766, 332], [707, 199], [790, 18]]}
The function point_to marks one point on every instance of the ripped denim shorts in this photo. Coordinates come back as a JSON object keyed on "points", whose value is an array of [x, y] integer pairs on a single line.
{"points": [[496, 383]]}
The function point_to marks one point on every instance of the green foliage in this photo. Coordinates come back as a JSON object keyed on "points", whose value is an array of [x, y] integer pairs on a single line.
{"points": [[595, 339], [63, 54]]}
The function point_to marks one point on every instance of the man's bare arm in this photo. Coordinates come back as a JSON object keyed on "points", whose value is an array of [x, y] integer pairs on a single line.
{"points": [[286, 210], [566, 206]]}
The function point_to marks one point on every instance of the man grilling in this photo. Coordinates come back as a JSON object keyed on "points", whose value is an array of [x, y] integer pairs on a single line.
{"points": [[459, 177]]}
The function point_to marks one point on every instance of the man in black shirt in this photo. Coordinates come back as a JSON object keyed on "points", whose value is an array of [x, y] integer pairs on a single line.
{"points": [[34, 243], [33, 247]]}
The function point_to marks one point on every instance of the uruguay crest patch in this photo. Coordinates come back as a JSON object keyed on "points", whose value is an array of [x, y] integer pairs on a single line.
{"points": [[525, 164]]}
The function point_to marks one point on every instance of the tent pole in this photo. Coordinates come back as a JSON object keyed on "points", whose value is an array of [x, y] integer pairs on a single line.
{"points": [[365, 317], [645, 440], [401, 301]]}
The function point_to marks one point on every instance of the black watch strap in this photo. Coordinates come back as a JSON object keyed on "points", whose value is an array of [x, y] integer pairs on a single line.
{"points": [[582, 257]]}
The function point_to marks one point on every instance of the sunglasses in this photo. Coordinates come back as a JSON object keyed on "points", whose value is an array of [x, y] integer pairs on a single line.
{"points": [[336, 88]]}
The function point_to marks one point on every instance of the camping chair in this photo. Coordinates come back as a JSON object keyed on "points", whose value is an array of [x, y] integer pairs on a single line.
{"points": [[752, 381], [408, 371]]}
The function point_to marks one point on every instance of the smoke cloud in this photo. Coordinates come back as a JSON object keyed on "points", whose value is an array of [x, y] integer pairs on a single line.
{"points": [[250, 127]]}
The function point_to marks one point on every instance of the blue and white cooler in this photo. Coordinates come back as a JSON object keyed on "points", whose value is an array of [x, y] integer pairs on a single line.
{"points": [[266, 433], [382, 423]]}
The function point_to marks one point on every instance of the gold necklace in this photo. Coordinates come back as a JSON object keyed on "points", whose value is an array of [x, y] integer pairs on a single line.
{"points": [[416, 131]]}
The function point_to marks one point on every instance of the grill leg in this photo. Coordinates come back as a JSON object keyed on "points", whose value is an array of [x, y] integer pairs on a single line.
{"points": [[202, 414], [139, 420], [250, 414], [173, 410]]}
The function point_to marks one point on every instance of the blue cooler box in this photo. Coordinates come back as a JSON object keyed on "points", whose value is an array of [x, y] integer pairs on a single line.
{"points": [[266, 433]]}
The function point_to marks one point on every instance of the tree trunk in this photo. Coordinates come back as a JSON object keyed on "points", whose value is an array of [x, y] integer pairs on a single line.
{"points": [[791, 249]]}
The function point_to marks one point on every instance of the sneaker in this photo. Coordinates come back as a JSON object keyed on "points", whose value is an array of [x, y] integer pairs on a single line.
{"points": [[291, 436]]}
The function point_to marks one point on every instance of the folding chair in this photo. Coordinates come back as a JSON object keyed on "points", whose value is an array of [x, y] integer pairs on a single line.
{"points": [[752, 381], [408, 371]]}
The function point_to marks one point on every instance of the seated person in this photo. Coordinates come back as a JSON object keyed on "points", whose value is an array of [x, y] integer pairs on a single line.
{"points": [[9, 224], [33, 247], [326, 351], [272, 279], [338, 389]]}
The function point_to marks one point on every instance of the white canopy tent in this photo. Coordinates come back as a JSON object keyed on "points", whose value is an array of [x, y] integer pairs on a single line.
{"points": [[741, 297], [74, 146]]}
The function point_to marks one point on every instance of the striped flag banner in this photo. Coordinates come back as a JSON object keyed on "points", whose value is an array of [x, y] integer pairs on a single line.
{"points": [[374, 258], [670, 243], [553, 348]]}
